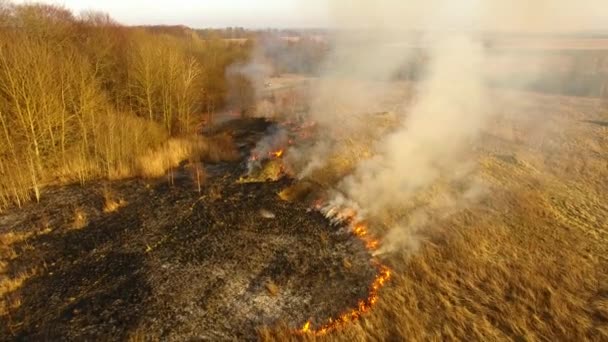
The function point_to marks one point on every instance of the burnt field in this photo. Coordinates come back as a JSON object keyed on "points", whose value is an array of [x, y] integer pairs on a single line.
{"points": [[163, 260], [133, 259], [402, 172]]}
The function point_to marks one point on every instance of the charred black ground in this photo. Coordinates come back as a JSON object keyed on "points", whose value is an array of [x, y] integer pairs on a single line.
{"points": [[178, 264]]}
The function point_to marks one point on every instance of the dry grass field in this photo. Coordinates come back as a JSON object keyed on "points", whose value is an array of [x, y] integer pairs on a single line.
{"points": [[557, 43], [526, 263], [406, 171]]}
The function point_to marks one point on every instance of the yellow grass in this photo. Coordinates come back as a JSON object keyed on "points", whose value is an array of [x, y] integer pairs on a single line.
{"points": [[271, 171], [111, 203], [526, 263], [9, 283], [120, 171], [80, 219], [155, 163]]}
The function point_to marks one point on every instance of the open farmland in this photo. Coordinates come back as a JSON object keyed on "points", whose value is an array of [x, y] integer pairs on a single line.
{"points": [[368, 181]]}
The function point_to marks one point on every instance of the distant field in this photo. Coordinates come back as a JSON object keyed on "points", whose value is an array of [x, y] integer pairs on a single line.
{"points": [[553, 43]]}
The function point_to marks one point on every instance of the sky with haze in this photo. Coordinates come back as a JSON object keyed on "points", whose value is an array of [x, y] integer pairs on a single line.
{"points": [[208, 13], [509, 15]]}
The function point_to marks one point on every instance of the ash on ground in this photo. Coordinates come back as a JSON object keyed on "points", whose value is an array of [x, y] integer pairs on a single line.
{"points": [[176, 264]]}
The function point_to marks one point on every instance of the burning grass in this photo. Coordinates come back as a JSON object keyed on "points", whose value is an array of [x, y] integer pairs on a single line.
{"points": [[272, 167], [524, 262], [527, 262], [272, 170], [184, 256], [348, 218], [171, 263], [351, 316]]}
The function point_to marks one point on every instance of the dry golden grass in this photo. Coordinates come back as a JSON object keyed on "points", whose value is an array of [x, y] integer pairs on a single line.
{"points": [[271, 171], [111, 202], [11, 282], [8, 285], [526, 263], [123, 161], [11, 238], [155, 163], [120, 171], [80, 219]]}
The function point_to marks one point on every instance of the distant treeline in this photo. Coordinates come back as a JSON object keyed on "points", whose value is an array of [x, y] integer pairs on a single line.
{"points": [[303, 55], [82, 97], [288, 51], [243, 33]]}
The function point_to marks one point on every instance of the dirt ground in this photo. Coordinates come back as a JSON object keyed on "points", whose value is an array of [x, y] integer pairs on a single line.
{"points": [[167, 262]]}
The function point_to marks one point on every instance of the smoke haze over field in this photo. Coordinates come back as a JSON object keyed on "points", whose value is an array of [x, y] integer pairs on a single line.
{"points": [[436, 133], [486, 15], [555, 15], [433, 136]]}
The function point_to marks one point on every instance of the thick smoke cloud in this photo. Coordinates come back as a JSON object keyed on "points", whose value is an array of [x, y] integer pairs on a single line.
{"points": [[436, 133], [434, 136]]}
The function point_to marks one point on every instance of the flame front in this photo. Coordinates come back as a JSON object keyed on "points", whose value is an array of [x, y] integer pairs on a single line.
{"points": [[306, 327], [277, 154], [363, 307], [360, 230]]}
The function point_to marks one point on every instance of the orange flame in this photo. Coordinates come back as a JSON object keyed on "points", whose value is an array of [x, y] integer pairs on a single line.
{"points": [[360, 230], [277, 154], [306, 327], [363, 307]]}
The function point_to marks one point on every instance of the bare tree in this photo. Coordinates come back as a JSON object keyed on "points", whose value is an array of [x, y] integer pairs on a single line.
{"points": [[83, 97]]}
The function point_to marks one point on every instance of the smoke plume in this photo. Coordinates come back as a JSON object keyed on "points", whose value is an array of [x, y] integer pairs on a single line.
{"points": [[435, 132], [434, 136], [276, 139]]}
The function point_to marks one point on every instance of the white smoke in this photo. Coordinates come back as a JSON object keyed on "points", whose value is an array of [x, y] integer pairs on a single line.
{"points": [[276, 139], [246, 80], [435, 136]]}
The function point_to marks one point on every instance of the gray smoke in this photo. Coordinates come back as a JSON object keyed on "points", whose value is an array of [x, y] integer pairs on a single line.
{"points": [[276, 139], [436, 132]]}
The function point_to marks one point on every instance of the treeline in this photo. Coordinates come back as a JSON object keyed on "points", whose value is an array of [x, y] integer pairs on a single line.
{"points": [[83, 97], [242, 33], [226, 33], [289, 51]]}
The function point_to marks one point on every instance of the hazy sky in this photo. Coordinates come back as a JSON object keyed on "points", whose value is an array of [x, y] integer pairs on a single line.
{"points": [[208, 13], [521, 15]]}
